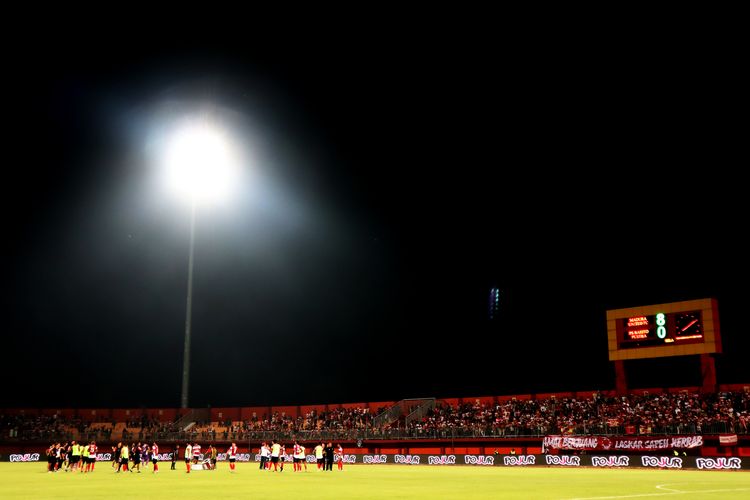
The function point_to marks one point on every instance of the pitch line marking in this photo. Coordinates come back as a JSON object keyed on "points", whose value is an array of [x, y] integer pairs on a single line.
{"points": [[670, 493], [664, 487]]}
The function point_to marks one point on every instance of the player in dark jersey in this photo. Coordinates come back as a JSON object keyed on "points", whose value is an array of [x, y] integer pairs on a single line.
{"points": [[135, 452], [67, 456], [329, 456], [51, 459], [145, 455]]}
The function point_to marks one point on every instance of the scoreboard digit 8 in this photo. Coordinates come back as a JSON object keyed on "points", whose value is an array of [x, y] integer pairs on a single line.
{"points": [[673, 329]]}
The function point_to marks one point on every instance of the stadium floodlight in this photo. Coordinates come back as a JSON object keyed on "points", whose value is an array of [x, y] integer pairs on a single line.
{"points": [[200, 165]]}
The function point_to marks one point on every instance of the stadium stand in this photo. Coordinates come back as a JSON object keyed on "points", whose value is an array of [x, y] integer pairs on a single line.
{"points": [[644, 412]]}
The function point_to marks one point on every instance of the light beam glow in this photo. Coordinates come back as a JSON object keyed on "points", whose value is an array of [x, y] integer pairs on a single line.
{"points": [[200, 162]]}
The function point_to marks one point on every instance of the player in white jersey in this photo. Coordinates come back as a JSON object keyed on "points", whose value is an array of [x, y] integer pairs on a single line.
{"points": [[265, 454], [340, 452], [155, 457], [232, 456], [297, 456]]}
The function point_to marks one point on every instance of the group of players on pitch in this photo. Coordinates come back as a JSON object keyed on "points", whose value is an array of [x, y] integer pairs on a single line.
{"points": [[82, 458], [71, 457], [275, 455], [208, 460]]}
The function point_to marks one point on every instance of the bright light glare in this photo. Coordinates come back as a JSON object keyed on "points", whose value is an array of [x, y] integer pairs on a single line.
{"points": [[200, 163]]}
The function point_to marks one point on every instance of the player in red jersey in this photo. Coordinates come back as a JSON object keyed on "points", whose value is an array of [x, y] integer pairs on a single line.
{"points": [[155, 457], [340, 452], [296, 452], [92, 457], [232, 456]]}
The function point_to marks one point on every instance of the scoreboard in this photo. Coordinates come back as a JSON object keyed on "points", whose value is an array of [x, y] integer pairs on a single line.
{"points": [[660, 329], [673, 329]]}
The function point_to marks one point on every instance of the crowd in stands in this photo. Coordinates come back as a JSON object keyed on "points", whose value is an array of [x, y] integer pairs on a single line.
{"points": [[40, 427], [314, 424], [643, 414], [675, 413]]}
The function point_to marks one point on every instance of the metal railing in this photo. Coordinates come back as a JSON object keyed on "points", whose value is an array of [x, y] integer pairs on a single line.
{"points": [[403, 407], [420, 411], [194, 415], [388, 416]]}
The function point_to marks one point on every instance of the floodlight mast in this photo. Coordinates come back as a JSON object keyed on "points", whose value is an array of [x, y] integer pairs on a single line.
{"points": [[201, 165], [188, 311]]}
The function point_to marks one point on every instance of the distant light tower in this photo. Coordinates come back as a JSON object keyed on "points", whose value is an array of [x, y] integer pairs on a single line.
{"points": [[201, 166], [494, 308]]}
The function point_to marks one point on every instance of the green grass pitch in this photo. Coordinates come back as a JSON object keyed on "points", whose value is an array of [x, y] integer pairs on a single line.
{"points": [[372, 481]]}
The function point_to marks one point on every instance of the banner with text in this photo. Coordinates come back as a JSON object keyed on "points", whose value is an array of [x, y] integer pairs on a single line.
{"points": [[623, 443], [728, 440]]}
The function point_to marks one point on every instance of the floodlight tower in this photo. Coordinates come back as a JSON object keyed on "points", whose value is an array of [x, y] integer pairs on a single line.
{"points": [[201, 166]]}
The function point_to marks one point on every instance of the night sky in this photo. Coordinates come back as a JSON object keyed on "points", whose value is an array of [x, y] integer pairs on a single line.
{"points": [[394, 180]]}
